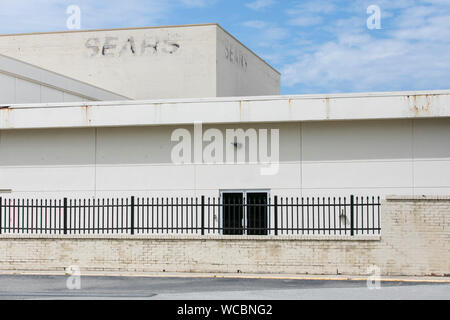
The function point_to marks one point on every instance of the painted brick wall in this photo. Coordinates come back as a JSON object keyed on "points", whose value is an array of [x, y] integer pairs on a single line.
{"points": [[415, 240]]}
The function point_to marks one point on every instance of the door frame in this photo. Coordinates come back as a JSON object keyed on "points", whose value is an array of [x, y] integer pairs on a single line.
{"points": [[244, 193]]}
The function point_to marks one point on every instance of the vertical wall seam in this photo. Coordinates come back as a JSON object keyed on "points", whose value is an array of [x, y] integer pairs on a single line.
{"points": [[195, 180], [216, 58], [95, 162], [413, 156], [300, 132], [15, 89]]}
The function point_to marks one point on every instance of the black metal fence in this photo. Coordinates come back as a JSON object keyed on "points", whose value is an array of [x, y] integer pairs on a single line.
{"points": [[197, 216]]}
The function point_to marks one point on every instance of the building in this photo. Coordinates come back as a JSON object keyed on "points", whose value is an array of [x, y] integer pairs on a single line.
{"points": [[105, 133], [195, 61], [371, 144], [330, 145]]}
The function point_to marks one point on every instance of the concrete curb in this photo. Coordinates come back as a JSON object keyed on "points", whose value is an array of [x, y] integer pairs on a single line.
{"points": [[233, 276]]}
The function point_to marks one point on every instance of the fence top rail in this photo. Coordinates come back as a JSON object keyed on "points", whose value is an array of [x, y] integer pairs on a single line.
{"points": [[140, 200]]}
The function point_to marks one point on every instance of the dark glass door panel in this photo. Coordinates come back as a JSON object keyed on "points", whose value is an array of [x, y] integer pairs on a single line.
{"points": [[256, 214], [233, 214]]}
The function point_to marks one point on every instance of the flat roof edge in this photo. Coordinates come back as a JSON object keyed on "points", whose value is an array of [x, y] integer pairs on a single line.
{"points": [[248, 98], [280, 109]]}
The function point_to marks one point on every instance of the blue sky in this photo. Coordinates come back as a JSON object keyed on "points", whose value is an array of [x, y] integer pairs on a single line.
{"points": [[318, 46]]}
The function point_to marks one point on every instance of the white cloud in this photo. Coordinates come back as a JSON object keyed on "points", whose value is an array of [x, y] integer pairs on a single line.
{"points": [[305, 21], [256, 24], [268, 38], [260, 4], [411, 53], [275, 33], [269, 34], [197, 3], [315, 7]]}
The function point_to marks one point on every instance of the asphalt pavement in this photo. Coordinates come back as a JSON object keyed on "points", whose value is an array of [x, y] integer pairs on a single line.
{"points": [[178, 288]]}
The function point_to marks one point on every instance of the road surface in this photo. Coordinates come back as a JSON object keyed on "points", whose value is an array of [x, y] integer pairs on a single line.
{"points": [[93, 287]]}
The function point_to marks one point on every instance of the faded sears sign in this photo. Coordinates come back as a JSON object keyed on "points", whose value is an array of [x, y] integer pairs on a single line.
{"points": [[111, 46]]}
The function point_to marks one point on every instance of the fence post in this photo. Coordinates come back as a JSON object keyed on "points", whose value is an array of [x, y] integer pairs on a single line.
{"points": [[65, 215], [352, 212], [1, 206], [275, 210], [203, 215], [132, 215]]}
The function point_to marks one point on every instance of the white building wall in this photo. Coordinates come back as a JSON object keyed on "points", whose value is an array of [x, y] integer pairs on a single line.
{"points": [[335, 158], [140, 63]]}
